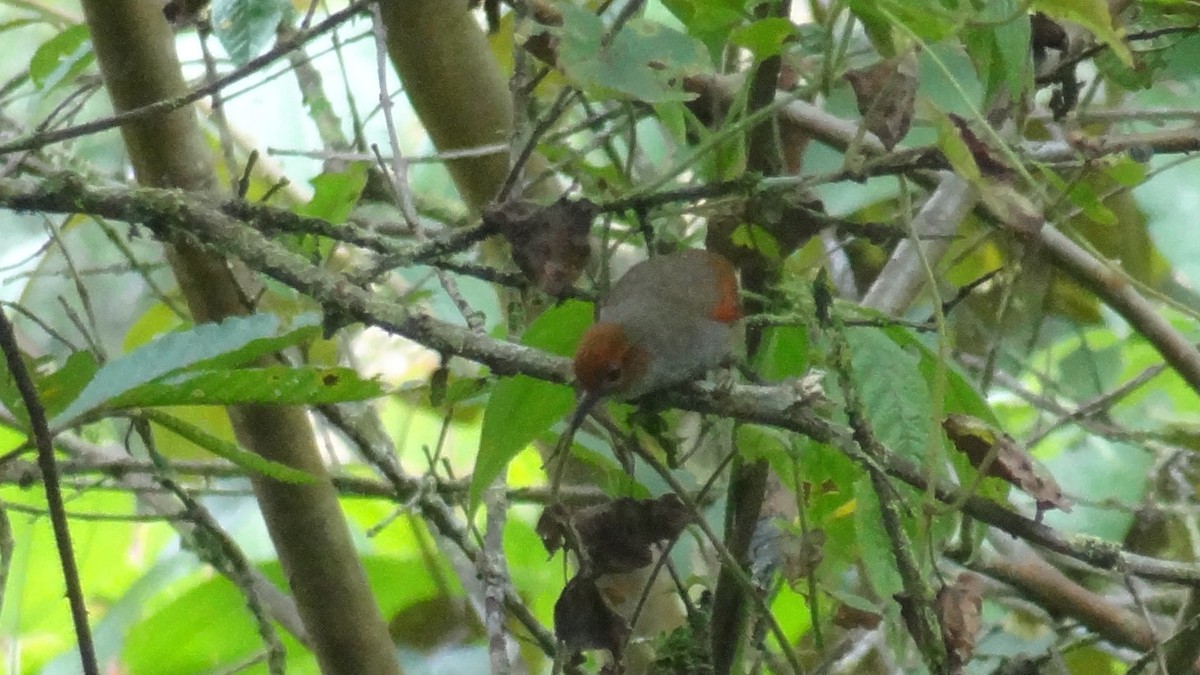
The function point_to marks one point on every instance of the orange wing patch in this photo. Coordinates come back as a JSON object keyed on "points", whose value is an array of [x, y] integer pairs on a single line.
{"points": [[727, 308]]}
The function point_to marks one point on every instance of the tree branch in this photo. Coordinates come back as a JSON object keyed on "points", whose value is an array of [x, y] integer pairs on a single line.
{"points": [[785, 405]]}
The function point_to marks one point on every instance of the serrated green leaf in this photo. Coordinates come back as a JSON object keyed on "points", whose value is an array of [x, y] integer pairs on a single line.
{"points": [[522, 408], [274, 385], [246, 27], [62, 57], [644, 61], [960, 395], [227, 450], [230, 343], [764, 38], [893, 391]]}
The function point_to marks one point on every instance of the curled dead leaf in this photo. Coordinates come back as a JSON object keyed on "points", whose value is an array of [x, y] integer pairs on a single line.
{"points": [[849, 617], [998, 454], [615, 536], [584, 620], [958, 606], [618, 535], [549, 243], [885, 93], [985, 158]]}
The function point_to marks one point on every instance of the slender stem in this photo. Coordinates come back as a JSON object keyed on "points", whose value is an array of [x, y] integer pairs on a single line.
{"points": [[54, 500]]}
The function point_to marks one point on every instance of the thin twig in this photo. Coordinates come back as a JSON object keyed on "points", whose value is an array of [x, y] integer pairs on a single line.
{"points": [[252, 67], [58, 514]]}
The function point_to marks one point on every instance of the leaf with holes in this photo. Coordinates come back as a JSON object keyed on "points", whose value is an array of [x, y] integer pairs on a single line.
{"points": [[276, 385]]}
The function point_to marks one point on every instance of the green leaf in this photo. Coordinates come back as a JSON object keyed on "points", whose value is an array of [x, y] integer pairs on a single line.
{"points": [[784, 353], [1092, 15], [758, 442], [111, 557], [62, 57], [877, 556], [708, 20], [764, 38], [1126, 172], [893, 391], [274, 385], [755, 238], [246, 27], [1000, 51], [522, 408], [230, 451], [1083, 196], [1143, 73], [928, 21], [335, 194], [606, 474], [63, 385], [960, 395], [198, 631], [645, 61], [224, 345]]}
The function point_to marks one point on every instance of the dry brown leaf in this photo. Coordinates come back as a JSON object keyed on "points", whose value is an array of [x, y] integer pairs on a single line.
{"points": [[885, 93], [584, 620], [985, 158], [616, 536], [549, 243], [958, 607], [848, 616], [976, 439], [552, 527]]}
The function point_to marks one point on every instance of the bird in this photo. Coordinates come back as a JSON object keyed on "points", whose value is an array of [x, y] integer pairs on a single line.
{"points": [[666, 321]]}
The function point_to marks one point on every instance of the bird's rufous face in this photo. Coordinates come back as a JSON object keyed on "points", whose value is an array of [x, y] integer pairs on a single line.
{"points": [[607, 362]]}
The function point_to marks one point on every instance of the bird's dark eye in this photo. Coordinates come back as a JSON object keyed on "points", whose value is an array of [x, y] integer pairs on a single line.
{"points": [[612, 374]]}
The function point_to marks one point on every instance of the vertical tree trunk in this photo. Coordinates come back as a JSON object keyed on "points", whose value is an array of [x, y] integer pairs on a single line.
{"points": [[136, 52]]}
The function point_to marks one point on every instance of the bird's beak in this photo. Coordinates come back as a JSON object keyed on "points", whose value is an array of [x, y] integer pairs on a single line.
{"points": [[585, 405]]}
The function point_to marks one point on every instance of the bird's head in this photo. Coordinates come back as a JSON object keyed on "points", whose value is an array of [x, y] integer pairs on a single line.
{"points": [[607, 362]]}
